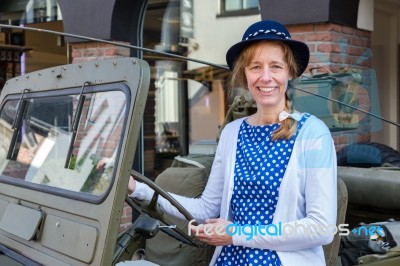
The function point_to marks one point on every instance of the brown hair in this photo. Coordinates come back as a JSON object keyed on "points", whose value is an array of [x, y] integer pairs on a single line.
{"points": [[238, 77]]}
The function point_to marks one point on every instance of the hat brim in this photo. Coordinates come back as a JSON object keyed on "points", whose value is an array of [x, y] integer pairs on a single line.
{"points": [[300, 51]]}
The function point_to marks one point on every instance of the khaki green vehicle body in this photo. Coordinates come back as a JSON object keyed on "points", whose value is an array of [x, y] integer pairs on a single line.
{"points": [[49, 213]]}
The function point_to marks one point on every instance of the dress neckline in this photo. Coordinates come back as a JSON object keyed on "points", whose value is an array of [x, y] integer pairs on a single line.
{"points": [[267, 125]]}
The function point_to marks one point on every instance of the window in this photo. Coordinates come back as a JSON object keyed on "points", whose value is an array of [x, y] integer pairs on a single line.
{"points": [[32, 11], [184, 96], [238, 5]]}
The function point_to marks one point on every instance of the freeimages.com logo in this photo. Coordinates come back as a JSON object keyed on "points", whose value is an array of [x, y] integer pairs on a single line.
{"points": [[284, 229]]}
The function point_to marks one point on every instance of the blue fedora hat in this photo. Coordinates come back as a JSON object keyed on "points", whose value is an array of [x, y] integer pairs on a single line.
{"points": [[270, 30]]}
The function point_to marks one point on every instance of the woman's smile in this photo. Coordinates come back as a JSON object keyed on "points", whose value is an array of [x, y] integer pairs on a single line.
{"points": [[268, 89]]}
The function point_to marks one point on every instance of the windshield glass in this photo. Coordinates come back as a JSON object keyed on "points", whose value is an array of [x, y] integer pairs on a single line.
{"points": [[37, 149]]}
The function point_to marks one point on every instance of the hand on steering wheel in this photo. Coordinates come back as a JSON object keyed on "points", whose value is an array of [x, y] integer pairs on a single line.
{"points": [[154, 211]]}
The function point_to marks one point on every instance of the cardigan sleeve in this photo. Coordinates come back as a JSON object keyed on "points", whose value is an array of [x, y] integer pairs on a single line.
{"points": [[316, 224], [209, 204]]}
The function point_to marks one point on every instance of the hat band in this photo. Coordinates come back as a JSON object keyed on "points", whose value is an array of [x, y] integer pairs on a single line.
{"points": [[279, 33]]}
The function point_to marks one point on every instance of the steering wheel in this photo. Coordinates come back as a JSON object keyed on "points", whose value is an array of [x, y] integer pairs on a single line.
{"points": [[152, 210]]}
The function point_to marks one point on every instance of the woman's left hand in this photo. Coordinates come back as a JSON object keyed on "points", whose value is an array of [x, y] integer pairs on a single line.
{"points": [[213, 232]]}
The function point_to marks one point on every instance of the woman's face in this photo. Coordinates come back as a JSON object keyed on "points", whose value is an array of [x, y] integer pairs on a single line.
{"points": [[267, 77]]}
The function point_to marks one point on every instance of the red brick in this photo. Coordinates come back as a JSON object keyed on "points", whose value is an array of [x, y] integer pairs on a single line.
{"points": [[93, 52], [111, 51], [356, 41], [348, 30], [337, 58], [76, 53], [300, 37], [366, 34], [311, 47], [328, 48], [353, 50], [300, 28], [328, 27], [319, 36], [363, 138]]}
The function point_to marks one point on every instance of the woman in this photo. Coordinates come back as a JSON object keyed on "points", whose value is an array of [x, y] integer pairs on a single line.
{"points": [[273, 180]]}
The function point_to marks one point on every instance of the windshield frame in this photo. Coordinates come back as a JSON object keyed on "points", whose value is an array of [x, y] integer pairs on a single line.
{"points": [[68, 92]]}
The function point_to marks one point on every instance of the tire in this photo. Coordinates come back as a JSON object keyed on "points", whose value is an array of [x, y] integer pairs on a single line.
{"points": [[368, 155]]}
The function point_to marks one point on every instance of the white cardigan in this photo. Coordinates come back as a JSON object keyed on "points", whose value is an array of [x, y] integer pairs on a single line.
{"points": [[307, 195]]}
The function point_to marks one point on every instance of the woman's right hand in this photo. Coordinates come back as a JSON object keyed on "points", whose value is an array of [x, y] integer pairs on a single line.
{"points": [[131, 185]]}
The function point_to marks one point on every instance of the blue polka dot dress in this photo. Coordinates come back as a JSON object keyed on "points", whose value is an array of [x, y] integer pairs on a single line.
{"points": [[259, 169]]}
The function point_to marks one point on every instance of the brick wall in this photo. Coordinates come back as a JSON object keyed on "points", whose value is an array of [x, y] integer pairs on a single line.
{"points": [[333, 47], [88, 51]]}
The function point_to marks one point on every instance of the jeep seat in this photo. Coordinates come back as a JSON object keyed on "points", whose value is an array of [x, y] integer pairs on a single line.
{"points": [[331, 250], [187, 177]]}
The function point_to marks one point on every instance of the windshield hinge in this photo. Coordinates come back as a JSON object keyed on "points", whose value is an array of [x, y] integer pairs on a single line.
{"points": [[75, 125]]}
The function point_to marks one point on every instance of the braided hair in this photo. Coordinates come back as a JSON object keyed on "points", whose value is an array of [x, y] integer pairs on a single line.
{"points": [[288, 126]]}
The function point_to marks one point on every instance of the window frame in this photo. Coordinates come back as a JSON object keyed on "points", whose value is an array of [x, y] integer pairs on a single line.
{"points": [[239, 12]]}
